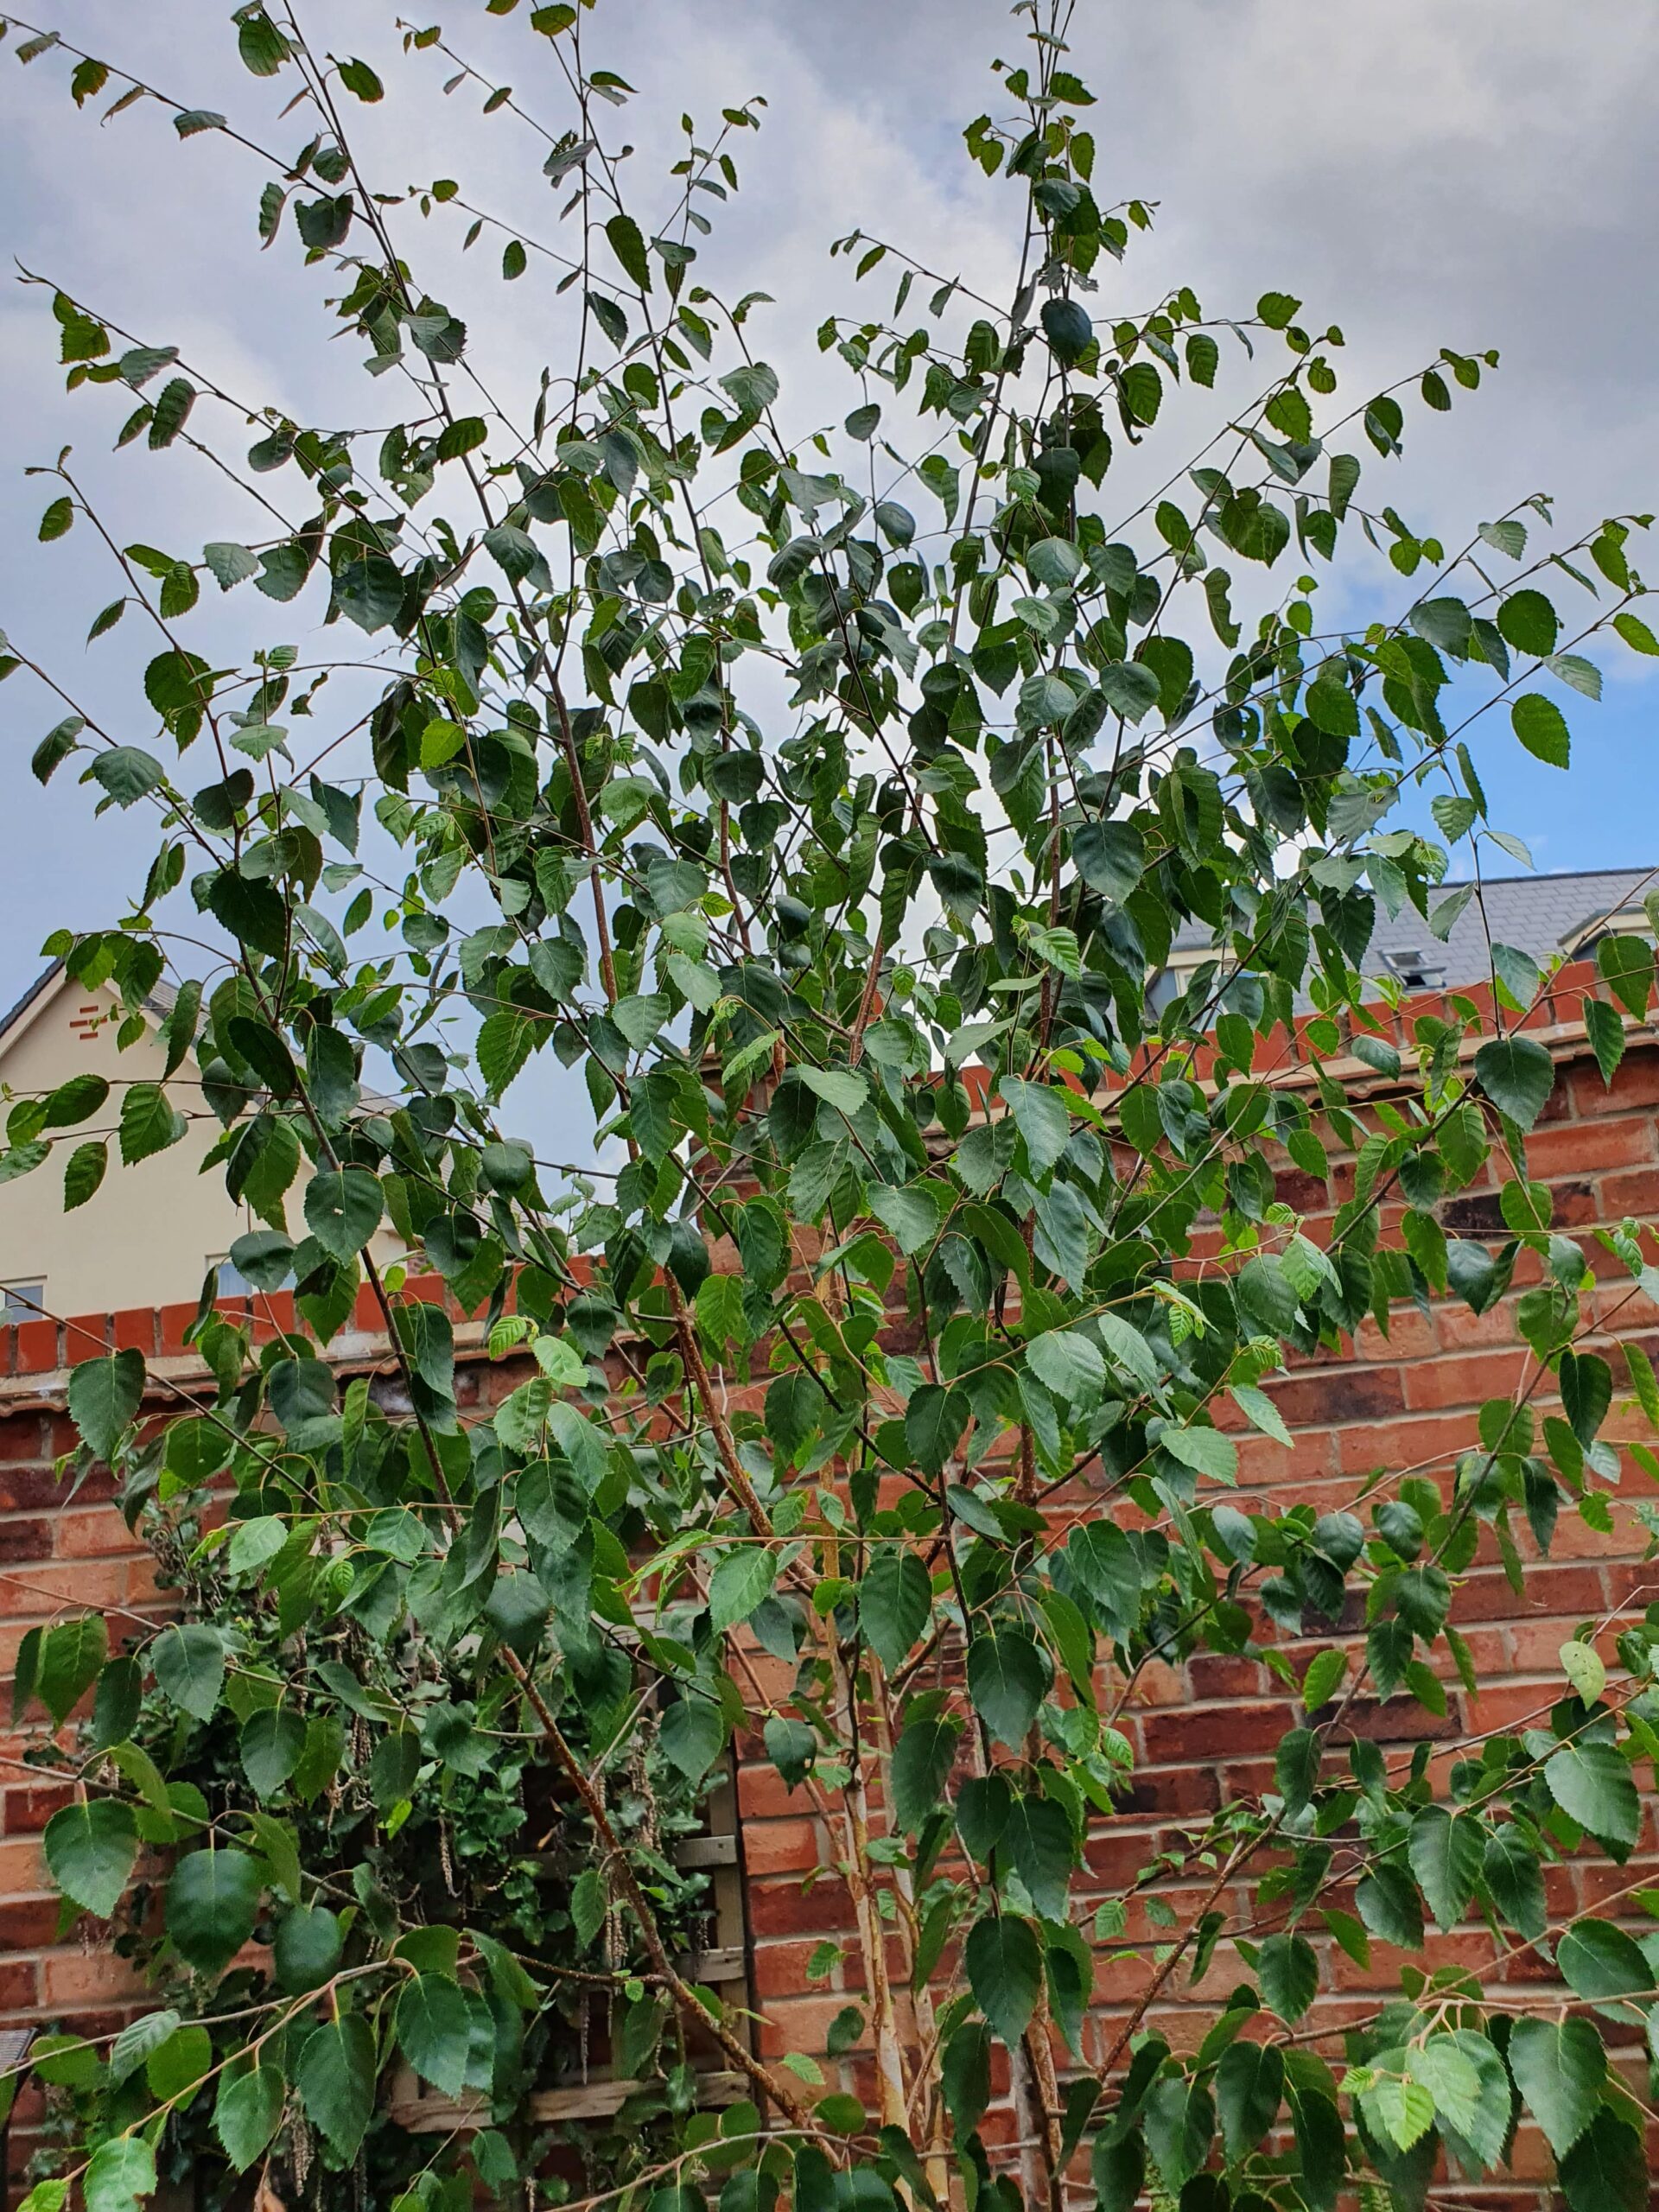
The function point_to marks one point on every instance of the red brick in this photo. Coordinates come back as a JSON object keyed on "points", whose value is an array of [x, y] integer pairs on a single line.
{"points": [[1341, 1394], [785, 1908], [1214, 1732], [1636, 1192], [20, 1437], [1581, 1147], [20, 1985], [35, 1347], [1636, 1083], [24, 1540], [780, 1970], [74, 1977], [1401, 1446], [1464, 1379], [135, 1331], [83, 1335], [28, 1809], [780, 1846]]}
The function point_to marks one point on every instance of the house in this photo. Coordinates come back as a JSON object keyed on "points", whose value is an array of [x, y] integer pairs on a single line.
{"points": [[1547, 917], [152, 1233]]}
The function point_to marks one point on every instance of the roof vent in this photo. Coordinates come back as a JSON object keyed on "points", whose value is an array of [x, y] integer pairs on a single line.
{"points": [[1417, 970]]}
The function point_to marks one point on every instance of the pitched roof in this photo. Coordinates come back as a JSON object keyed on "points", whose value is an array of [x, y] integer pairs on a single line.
{"points": [[17, 1013], [1540, 915], [160, 1002]]}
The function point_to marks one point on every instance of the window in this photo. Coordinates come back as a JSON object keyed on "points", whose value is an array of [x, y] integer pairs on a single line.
{"points": [[21, 1302], [229, 1279]]}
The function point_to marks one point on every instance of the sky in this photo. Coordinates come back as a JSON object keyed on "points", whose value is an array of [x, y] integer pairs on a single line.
{"points": [[1481, 174]]}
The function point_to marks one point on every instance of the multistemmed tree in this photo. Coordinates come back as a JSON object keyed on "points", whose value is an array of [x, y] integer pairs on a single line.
{"points": [[828, 800]]}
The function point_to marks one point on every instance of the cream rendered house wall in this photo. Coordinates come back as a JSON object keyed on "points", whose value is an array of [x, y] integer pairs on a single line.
{"points": [[145, 1236]]}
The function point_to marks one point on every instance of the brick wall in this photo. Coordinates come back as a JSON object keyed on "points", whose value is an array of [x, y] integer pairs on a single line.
{"points": [[1200, 1732], [1208, 1730]]}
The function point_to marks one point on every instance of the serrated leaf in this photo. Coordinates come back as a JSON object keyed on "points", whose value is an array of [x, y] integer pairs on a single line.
{"points": [[741, 1580], [894, 1602], [1594, 1785], [90, 1849], [1559, 2066], [1005, 1972]]}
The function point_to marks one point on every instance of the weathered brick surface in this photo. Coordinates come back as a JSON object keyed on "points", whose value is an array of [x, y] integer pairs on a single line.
{"points": [[1201, 1731]]}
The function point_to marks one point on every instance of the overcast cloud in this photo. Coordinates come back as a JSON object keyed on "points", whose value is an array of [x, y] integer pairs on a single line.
{"points": [[1467, 172]]}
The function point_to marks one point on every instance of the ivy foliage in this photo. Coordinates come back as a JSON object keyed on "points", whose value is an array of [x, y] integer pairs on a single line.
{"points": [[823, 804]]}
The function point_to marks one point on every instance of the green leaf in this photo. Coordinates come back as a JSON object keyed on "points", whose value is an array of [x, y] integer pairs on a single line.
{"points": [[127, 772], [308, 1947], [1517, 1076], [261, 45], [55, 747], [1206, 1451], [104, 1397], [965, 2075], [1606, 2170], [921, 1760], [272, 1744], [1007, 1681], [629, 247], [342, 1210], [1541, 727], [1599, 1960], [1446, 1850], [1110, 856], [1581, 1664], [172, 406], [1038, 1840], [1069, 1364], [934, 1419], [1636, 633], [1593, 1784], [895, 1601], [212, 1902], [1040, 1116], [122, 2173], [57, 519], [1559, 2066], [149, 1123], [506, 1041], [84, 1172], [1605, 1032], [90, 1849], [741, 1580], [361, 81], [1250, 2084], [139, 2040], [229, 564], [1626, 965], [1289, 1971], [1516, 1880], [189, 1664], [1005, 1972], [71, 1656], [335, 2078], [693, 1736], [433, 2031], [246, 2112], [1528, 621], [911, 1212], [23, 1160]]}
